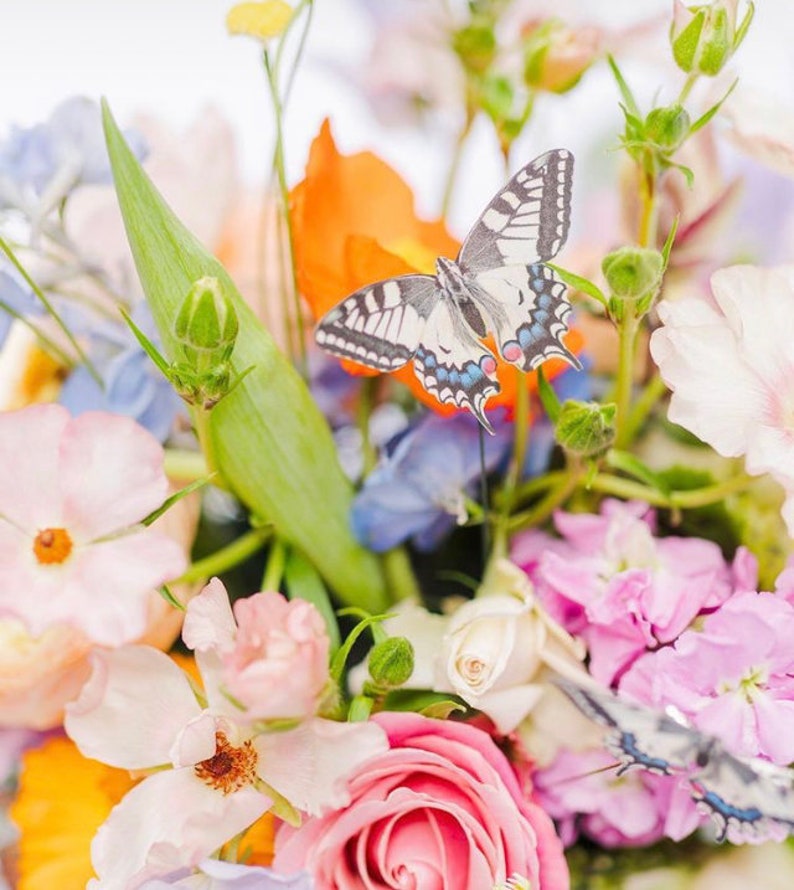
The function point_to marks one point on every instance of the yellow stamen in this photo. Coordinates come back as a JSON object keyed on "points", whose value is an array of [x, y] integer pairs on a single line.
{"points": [[52, 545]]}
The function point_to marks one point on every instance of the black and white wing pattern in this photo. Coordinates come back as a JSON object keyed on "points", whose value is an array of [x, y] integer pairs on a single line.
{"points": [[380, 325], [748, 798], [527, 221]]}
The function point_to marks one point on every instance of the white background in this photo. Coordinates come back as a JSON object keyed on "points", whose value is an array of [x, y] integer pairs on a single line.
{"points": [[173, 57]]}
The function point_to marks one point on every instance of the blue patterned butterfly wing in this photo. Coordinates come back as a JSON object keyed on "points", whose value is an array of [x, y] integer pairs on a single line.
{"points": [[452, 364], [637, 736], [381, 325], [527, 221], [528, 313], [749, 798]]}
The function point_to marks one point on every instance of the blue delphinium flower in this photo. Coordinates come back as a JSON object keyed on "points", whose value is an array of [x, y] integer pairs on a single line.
{"points": [[16, 297], [419, 489], [133, 386], [40, 165]]}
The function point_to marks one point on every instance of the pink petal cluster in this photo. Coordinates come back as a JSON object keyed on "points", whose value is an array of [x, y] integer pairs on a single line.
{"points": [[72, 491], [441, 808], [734, 678], [216, 770], [274, 653], [583, 792], [730, 364], [623, 590]]}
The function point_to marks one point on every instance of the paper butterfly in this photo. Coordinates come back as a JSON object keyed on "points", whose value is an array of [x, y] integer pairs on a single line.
{"points": [[749, 798], [498, 284]]}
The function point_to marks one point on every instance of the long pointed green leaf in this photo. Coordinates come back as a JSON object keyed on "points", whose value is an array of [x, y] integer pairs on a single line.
{"points": [[270, 441]]}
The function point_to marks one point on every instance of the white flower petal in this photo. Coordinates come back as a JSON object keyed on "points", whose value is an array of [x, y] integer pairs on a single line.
{"points": [[131, 711]]}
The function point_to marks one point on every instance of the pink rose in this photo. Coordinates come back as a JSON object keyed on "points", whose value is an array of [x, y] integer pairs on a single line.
{"points": [[441, 808]]}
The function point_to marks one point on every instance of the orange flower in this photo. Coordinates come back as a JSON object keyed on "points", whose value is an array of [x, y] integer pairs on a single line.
{"points": [[354, 224]]}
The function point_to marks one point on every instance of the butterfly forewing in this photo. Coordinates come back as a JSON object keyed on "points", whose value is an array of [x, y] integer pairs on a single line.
{"points": [[381, 325], [527, 221]]}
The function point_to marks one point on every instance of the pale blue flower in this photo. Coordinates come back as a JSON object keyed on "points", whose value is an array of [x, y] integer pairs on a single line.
{"points": [[18, 298], [216, 875]]}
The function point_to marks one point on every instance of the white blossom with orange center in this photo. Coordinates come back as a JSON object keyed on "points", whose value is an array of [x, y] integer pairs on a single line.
{"points": [[72, 494]]}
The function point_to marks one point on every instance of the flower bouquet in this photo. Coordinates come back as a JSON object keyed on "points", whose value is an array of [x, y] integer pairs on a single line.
{"points": [[340, 551]]}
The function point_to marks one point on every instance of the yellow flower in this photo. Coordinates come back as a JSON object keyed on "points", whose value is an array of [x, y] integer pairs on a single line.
{"points": [[261, 20]]}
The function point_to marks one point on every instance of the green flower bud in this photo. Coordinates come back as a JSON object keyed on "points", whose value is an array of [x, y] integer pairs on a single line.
{"points": [[585, 429], [703, 38], [206, 324], [475, 45], [667, 127], [634, 274], [391, 662], [556, 56]]}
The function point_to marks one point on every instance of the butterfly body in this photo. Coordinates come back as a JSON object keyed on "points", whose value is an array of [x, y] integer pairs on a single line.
{"points": [[499, 285], [748, 798]]}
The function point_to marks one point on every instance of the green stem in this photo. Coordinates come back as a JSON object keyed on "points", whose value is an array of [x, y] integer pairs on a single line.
{"points": [[534, 486], [281, 173], [540, 512], [654, 389], [400, 578], [186, 466], [227, 557], [686, 89], [366, 400], [201, 425], [627, 336], [52, 312], [648, 219], [274, 569], [675, 500], [454, 164]]}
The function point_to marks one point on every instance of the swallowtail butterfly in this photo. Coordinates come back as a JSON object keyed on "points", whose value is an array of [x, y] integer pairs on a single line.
{"points": [[499, 284], [749, 798]]}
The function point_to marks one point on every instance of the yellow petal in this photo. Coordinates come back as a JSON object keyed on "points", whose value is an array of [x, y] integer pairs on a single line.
{"points": [[261, 20]]}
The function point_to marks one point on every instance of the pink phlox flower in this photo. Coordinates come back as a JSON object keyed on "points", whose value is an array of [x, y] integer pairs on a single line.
{"points": [[582, 793], [733, 679], [622, 589], [219, 769], [72, 494]]}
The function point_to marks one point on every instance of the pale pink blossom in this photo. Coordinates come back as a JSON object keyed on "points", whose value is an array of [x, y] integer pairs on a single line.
{"points": [[274, 653], [217, 771], [71, 494], [762, 127], [441, 807], [730, 365]]}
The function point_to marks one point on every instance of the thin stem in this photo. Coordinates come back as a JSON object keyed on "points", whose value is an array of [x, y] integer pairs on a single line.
{"points": [[47, 344], [654, 389], [627, 336], [366, 400], [51, 310], [227, 557], [649, 217], [554, 497], [454, 164], [400, 578], [605, 483], [534, 486], [281, 172], [187, 466], [686, 89], [274, 569]]}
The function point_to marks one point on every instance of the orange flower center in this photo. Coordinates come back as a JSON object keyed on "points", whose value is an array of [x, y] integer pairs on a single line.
{"points": [[229, 769], [52, 545]]}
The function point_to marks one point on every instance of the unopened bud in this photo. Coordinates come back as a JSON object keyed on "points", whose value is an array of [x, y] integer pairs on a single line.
{"points": [[585, 429], [668, 127], [206, 325], [704, 37], [475, 45], [556, 56], [634, 274], [391, 662]]}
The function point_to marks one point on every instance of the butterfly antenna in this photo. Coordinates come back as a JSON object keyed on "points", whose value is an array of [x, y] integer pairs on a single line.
{"points": [[486, 537]]}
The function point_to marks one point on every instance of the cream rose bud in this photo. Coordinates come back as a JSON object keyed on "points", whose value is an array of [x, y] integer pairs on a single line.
{"points": [[499, 647]]}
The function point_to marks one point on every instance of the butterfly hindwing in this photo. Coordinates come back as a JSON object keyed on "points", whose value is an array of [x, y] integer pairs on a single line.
{"points": [[380, 325], [453, 365], [530, 315], [528, 219]]}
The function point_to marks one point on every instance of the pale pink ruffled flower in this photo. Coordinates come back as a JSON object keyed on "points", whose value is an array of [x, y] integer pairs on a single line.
{"points": [[139, 712], [619, 587], [71, 494], [730, 365], [274, 653], [763, 128]]}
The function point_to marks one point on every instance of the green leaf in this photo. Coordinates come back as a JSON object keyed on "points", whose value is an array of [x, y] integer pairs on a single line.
{"points": [[577, 282], [304, 582], [551, 403], [169, 597], [705, 118], [670, 240], [176, 496], [424, 701], [269, 439], [628, 97]]}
